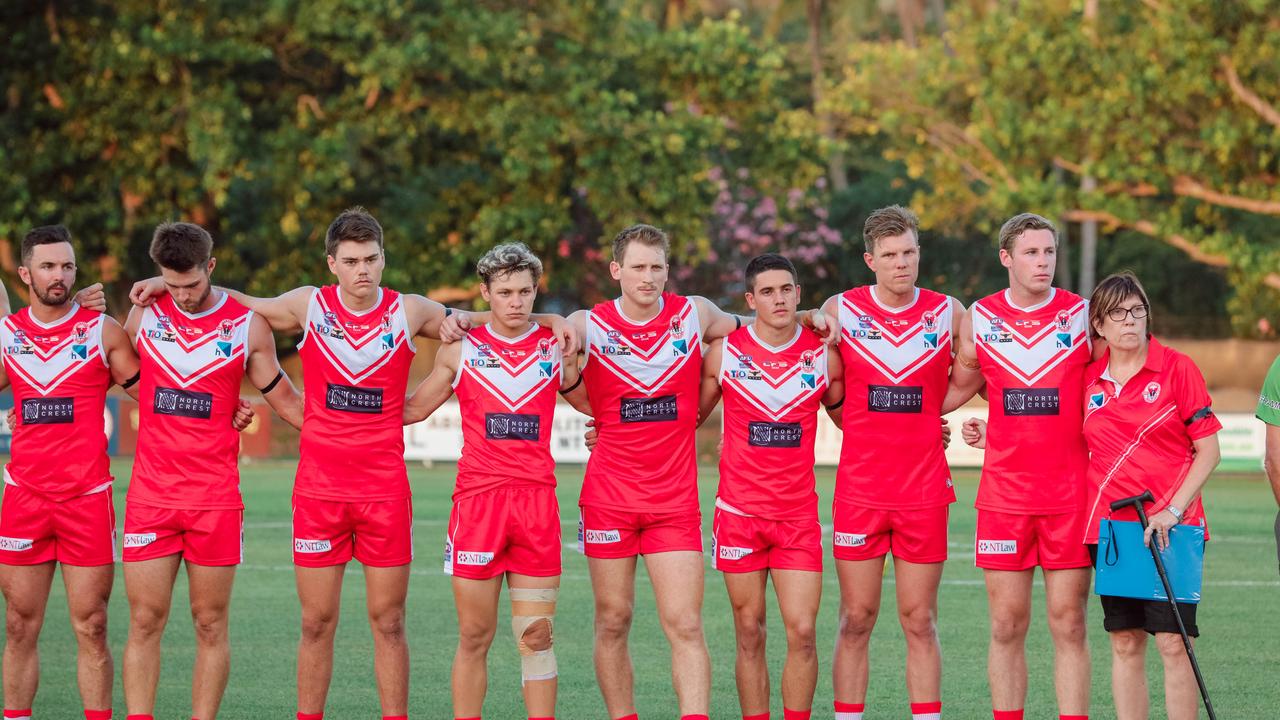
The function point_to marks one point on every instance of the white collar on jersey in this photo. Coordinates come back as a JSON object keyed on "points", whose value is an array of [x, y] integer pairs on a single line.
{"points": [[617, 304], [74, 307], [510, 340], [780, 348], [886, 308], [216, 306], [376, 304], [1008, 297]]}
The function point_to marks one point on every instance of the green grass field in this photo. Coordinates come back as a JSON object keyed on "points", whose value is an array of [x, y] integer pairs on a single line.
{"points": [[1240, 652]]}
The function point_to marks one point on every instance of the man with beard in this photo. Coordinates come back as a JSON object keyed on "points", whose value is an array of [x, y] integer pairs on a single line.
{"points": [[59, 357]]}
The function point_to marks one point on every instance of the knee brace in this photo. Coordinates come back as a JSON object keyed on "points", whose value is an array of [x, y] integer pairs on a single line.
{"points": [[530, 607]]}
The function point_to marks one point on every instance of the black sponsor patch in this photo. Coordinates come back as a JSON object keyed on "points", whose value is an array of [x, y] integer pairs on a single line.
{"points": [[772, 434], [48, 410], [347, 398], [895, 398], [511, 426], [1031, 401], [654, 409], [183, 403]]}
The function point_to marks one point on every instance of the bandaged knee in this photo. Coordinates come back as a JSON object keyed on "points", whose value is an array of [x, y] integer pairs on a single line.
{"points": [[531, 610]]}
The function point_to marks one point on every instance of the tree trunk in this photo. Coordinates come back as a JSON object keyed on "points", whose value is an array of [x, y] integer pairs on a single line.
{"points": [[1088, 244]]}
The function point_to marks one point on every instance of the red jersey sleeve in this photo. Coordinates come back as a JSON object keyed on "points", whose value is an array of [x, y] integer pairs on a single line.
{"points": [[1193, 400]]}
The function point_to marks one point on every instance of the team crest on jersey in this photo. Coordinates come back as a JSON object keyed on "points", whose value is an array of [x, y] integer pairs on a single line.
{"points": [[222, 347], [1152, 392], [545, 366], [81, 332], [808, 379], [1063, 321], [679, 346]]}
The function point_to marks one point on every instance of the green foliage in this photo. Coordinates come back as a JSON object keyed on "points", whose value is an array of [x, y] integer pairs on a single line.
{"points": [[1152, 100], [459, 124]]}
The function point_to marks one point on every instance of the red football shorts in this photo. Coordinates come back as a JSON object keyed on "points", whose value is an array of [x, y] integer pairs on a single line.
{"points": [[34, 529], [507, 529], [203, 537], [741, 544], [606, 533], [916, 536], [1020, 542], [331, 532]]}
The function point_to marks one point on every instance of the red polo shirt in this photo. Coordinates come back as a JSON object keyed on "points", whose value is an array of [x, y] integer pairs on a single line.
{"points": [[1140, 434]]}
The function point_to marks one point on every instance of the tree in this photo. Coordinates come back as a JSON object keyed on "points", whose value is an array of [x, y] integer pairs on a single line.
{"points": [[1169, 107], [459, 124]]}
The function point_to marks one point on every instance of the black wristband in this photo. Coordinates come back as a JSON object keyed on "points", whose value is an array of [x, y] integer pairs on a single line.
{"points": [[572, 387], [448, 311], [131, 381], [272, 385], [737, 322], [836, 406]]}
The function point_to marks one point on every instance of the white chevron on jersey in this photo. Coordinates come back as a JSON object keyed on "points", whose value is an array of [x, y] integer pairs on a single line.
{"points": [[900, 351], [44, 370], [512, 382], [643, 370], [357, 357], [187, 361], [778, 394], [1030, 357]]}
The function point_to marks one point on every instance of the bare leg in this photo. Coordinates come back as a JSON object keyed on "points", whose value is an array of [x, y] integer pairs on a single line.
{"points": [[149, 585], [1129, 674], [320, 593], [477, 606], [860, 585], [613, 582], [387, 588], [210, 590], [26, 594], [677, 587], [1181, 693], [746, 597], [1009, 605], [917, 589], [1066, 594], [88, 591], [799, 595]]}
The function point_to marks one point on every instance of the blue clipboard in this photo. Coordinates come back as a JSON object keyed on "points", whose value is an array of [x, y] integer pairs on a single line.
{"points": [[1125, 567]]}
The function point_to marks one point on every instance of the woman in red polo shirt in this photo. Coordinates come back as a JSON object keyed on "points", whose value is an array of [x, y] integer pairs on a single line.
{"points": [[1149, 426]]}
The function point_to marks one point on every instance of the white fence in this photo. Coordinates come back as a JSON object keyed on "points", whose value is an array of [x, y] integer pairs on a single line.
{"points": [[440, 438]]}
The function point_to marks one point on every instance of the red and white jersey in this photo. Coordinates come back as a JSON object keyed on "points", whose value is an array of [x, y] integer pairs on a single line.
{"points": [[1033, 360], [59, 377], [897, 364], [506, 390], [355, 366], [1140, 435], [642, 379], [771, 401], [191, 366]]}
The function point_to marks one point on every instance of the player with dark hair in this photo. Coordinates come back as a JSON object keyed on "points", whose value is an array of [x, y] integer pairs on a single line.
{"points": [[196, 344]]}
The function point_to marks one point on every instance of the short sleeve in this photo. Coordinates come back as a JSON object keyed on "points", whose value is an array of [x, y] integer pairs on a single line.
{"points": [[1269, 399], [1193, 400]]}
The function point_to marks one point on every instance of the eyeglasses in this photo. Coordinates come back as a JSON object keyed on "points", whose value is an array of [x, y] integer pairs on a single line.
{"points": [[1119, 314]]}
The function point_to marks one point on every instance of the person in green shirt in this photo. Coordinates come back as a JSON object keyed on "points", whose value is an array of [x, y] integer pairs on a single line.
{"points": [[1269, 413]]}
